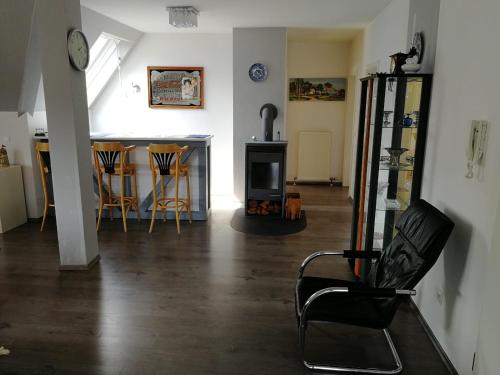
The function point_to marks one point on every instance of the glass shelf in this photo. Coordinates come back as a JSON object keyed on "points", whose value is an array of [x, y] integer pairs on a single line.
{"points": [[397, 126], [402, 167], [385, 204]]}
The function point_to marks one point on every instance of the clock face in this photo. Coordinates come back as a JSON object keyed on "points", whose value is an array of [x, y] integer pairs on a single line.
{"points": [[78, 50]]}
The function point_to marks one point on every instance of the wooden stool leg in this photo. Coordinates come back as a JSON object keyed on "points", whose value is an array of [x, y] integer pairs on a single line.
{"points": [[164, 205], [46, 201], [155, 204], [188, 201], [45, 211], [136, 197], [177, 218], [110, 198], [101, 201], [122, 202]]}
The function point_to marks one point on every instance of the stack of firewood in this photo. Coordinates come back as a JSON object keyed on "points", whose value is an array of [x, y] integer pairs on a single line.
{"points": [[263, 207]]}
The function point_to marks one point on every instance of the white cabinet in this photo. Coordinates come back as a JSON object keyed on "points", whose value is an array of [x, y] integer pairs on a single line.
{"points": [[12, 203]]}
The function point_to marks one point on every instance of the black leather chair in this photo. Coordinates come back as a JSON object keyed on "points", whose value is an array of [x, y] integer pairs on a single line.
{"points": [[422, 233]]}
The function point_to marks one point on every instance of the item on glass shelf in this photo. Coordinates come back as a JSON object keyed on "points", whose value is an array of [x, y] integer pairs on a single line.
{"points": [[4, 158], [416, 115], [382, 186], [386, 118], [407, 121], [392, 204], [395, 154]]}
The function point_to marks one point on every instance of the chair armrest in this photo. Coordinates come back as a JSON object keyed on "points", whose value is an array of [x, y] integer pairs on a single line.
{"points": [[346, 254], [312, 257], [371, 292], [358, 254]]}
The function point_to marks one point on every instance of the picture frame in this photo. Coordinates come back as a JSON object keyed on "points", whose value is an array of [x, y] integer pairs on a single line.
{"points": [[178, 87], [317, 89]]}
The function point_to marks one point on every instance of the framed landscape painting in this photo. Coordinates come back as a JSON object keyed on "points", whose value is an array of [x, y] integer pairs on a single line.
{"points": [[175, 87], [317, 89]]}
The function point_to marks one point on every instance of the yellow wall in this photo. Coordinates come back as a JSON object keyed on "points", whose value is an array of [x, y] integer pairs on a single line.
{"points": [[317, 59]]}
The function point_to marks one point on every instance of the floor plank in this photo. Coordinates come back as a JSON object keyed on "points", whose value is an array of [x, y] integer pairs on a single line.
{"points": [[212, 301]]}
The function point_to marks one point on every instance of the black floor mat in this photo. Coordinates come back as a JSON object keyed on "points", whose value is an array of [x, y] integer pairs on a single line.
{"points": [[266, 225]]}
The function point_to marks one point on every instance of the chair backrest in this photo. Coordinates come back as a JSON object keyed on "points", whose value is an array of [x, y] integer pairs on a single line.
{"points": [[161, 156], [108, 154], [422, 233], [43, 156]]}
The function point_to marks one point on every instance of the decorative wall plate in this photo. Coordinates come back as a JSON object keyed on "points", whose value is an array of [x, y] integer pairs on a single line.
{"points": [[418, 44], [258, 72]]}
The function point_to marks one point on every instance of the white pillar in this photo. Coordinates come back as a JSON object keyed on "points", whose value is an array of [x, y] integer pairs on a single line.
{"points": [[68, 127]]}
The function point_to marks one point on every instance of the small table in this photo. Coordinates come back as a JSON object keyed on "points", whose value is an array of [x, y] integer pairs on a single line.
{"points": [[12, 202]]}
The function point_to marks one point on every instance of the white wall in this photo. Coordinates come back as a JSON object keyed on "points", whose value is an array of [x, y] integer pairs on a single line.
{"points": [[315, 59], [267, 46], [465, 88], [118, 110], [15, 134], [424, 17], [387, 34], [487, 358], [356, 72]]}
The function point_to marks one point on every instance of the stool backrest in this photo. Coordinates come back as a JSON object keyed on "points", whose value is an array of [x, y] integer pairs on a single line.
{"points": [[43, 157], [108, 155], [161, 156]]}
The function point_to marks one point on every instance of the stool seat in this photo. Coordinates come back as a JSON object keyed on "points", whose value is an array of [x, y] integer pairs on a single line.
{"points": [[183, 170], [128, 169]]}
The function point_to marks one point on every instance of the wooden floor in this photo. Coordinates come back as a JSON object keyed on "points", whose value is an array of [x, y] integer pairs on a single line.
{"points": [[214, 301]]}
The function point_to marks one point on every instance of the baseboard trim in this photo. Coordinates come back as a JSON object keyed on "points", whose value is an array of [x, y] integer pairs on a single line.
{"points": [[327, 183], [435, 342], [88, 267]]}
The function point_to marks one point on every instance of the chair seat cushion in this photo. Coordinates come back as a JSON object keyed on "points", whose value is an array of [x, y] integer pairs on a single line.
{"points": [[344, 308]]}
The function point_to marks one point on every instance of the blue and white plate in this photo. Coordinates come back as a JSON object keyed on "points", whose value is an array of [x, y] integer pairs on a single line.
{"points": [[258, 72]]}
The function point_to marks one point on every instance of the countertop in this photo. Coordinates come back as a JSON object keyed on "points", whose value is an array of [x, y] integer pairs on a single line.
{"points": [[143, 137]]}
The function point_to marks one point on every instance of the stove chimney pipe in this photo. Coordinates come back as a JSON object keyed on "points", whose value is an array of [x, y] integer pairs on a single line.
{"points": [[268, 113]]}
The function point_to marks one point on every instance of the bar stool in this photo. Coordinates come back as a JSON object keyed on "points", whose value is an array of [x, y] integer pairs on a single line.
{"points": [[43, 158], [105, 160], [160, 163]]}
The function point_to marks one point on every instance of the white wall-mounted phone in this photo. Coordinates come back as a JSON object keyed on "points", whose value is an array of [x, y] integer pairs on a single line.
{"points": [[476, 145]]}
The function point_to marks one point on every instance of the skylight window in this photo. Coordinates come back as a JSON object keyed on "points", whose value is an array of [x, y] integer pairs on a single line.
{"points": [[103, 62]]}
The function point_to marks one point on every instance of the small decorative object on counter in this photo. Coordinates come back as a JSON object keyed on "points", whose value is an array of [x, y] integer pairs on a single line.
{"points": [[4, 158]]}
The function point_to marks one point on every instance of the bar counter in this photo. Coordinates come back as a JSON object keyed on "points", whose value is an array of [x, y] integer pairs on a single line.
{"points": [[197, 157]]}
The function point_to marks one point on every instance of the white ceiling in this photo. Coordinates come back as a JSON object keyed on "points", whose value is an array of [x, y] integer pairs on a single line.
{"points": [[220, 16]]}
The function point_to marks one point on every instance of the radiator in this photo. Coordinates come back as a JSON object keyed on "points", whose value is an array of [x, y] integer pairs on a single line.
{"points": [[314, 156]]}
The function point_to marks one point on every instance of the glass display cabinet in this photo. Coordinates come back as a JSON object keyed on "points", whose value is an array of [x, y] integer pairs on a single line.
{"points": [[390, 155]]}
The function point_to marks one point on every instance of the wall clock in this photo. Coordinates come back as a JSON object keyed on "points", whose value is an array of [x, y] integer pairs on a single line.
{"points": [[78, 50], [258, 72]]}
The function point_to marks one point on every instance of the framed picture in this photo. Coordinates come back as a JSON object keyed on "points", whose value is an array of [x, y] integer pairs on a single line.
{"points": [[317, 89], [175, 87]]}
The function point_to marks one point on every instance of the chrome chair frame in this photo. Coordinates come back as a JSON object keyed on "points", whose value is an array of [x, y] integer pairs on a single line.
{"points": [[302, 316]]}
